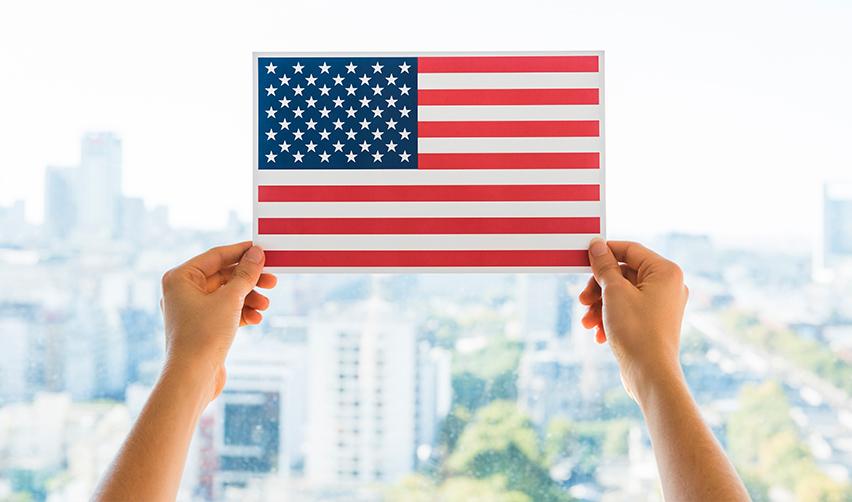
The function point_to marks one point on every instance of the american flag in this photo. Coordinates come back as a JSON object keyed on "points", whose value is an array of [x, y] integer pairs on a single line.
{"points": [[475, 162]]}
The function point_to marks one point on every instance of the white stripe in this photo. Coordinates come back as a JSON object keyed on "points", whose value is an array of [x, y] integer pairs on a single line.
{"points": [[425, 270], [425, 209], [509, 112], [356, 177], [520, 80], [507, 145], [426, 242]]}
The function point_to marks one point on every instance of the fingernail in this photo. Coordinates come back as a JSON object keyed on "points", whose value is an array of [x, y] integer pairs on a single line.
{"points": [[254, 255], [598, 247]]}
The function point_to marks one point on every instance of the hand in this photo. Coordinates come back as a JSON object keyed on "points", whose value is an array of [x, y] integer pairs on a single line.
{"points": [[638, 306], [204, 301]]}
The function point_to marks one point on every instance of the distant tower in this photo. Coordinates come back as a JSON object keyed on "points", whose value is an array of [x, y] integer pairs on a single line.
{"points": [[99, 189], [833, 255], [60, 207]]}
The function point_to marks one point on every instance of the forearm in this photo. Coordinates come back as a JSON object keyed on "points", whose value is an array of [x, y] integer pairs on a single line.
{"points": [[691, 462], [150, 463]]}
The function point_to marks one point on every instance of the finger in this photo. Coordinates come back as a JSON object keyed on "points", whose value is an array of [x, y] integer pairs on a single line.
{"points": [[591, 293], [635, 255], [247, 272], [629, 273], [218, 258], [250, 317], [604, 265], [600, 335], [256, 301], [592, 317], [266, 281]]}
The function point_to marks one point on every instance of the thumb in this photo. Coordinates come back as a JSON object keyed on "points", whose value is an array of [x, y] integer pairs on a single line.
{"points": [[247, 272], [604, 265]]}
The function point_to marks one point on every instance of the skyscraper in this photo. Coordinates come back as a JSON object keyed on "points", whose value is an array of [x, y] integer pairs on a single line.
{"points": [[834, 249], [99, 189], [60, 206]]}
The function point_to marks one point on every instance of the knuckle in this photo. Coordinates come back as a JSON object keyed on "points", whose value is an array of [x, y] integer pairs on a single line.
{"points": [[168, 279]]}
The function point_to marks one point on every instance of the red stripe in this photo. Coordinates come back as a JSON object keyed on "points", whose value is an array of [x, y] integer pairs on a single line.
{"points": [[420, 226], [427, 97], [482, 64], [513, 128], [426, 193], [420, 258], [585, 160]]}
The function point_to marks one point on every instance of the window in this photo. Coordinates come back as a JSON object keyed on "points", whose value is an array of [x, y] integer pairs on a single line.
{"points": [[726, 152]]}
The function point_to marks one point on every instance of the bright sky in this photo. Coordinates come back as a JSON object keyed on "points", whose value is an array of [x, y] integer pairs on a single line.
{"points": [[722, 117]]}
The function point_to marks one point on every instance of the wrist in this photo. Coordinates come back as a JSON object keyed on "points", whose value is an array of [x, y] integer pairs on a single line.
{"points": [[194, 377], [660, 380]]}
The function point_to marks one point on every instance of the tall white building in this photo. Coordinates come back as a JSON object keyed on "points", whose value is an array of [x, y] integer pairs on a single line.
{"points": [[60, 205], [99, 188], [374, 396], [833, 255]]}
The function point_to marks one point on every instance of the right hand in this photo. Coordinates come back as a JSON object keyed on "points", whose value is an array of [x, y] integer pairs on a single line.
{"points": [[638, 306]]}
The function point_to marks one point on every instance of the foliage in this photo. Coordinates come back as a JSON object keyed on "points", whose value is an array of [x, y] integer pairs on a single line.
{"points": [[765, 443], [585, 443], [418, 488], [487, 375], [500, 441]]}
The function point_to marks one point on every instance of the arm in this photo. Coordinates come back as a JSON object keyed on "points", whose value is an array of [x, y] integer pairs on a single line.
{"points": [[204, 301], [636, 301]]}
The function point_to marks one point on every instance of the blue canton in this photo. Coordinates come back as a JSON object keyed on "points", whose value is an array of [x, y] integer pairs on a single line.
{"points": [[337, 113]]}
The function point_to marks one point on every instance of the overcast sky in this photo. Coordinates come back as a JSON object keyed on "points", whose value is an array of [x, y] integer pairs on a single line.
{"points": [[721, 117]]}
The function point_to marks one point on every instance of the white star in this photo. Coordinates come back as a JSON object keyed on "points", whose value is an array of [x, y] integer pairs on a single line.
{"points": [[404, 134], [285, 146], [285, 124], [377, 90], [324, 134], [338, 124], [338, 101], [404, 89], [404, 111], [404, 67], [324, 90], [311, 102], [324, 112], [404, 156], [391, 80], [365, 124], [364, 102], [298, 90], [312, 124], [377, 157], [324, 67], [391, 124], [338, 147], [351, 112], [297, 157], [298, 112], [284, 102], [338, 80], [391, 146], [377, 112], [270, 134], [312, 147], [270, 157], [350, 157], [298, 68], [285, 80], [365, 146], [270, 68], [391, 101], [350, 91], [377, 134], [270, 91], [297, 134], [350, 134], [365, 80], [324, 157], [312, 80], [377, 68], [350, 68], [270, 113]]}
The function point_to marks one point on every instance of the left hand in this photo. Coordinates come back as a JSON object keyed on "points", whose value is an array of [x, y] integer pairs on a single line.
{"points": [[204, 301]]}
